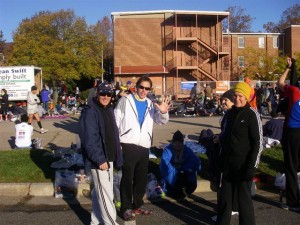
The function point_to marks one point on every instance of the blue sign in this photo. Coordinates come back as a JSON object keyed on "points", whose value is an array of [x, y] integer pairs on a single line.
{"points": [[188, 85]]}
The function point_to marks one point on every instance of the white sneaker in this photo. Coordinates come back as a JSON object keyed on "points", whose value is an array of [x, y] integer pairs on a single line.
{"points": [[233, 213], [43, 131]]}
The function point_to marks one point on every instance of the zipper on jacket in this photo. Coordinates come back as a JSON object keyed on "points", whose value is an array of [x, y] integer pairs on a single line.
{"points": [[150, 136], [126, 132]]}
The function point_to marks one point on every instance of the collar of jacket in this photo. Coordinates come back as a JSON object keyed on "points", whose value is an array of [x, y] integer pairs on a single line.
{"points": [[238, 109]]}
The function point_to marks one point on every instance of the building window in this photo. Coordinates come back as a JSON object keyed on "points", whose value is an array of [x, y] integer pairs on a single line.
{"points": [[261, 42], [241, 61], [241, 42], [275, 42]]}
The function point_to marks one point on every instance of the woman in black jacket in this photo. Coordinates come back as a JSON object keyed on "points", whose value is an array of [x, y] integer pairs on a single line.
{"points": [[241, 146]]}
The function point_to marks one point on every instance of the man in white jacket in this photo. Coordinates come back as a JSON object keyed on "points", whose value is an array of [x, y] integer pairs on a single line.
{"points": [[135, 114]]}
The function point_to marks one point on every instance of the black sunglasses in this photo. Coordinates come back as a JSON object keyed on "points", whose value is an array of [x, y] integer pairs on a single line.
{"points": [[146, 88], [105, 94]]}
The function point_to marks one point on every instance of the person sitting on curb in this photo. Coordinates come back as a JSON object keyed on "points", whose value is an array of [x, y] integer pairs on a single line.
{"points": [[272, 131], [179, 167], [23, 133]]}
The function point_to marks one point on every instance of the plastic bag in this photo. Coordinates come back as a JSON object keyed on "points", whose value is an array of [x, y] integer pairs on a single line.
{"points": [[116, 188], [280, 181], [153, 190], [65, 184], [37, 143], [196, 147]]}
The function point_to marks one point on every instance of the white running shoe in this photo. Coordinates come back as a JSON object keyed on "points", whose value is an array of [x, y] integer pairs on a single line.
{"points": [[43, 131]]}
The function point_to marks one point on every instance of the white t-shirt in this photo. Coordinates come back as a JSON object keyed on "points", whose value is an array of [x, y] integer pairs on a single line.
{"points": [[23, 135]]}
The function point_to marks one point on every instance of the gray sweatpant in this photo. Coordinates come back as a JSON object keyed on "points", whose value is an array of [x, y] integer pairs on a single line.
{"points": [[103, 208]]}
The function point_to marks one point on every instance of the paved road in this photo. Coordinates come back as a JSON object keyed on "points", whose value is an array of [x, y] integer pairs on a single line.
{"points": [[195, 210], [62, 132]]}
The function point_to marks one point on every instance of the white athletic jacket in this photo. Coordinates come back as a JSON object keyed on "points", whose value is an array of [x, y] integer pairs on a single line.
{"points": [[128, 122]]}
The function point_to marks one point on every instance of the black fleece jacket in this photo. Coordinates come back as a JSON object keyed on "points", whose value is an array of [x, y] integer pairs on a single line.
{"points": [[241, 143]]}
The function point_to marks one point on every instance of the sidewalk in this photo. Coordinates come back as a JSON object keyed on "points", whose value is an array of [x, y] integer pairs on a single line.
{"points": [[62, 132], [47, 189], [42, 194]]}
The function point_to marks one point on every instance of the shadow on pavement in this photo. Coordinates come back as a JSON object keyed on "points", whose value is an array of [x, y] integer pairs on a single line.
{"points": [[71, 124], [267, 201], [187, 212], [82, 214], [11, 142]]}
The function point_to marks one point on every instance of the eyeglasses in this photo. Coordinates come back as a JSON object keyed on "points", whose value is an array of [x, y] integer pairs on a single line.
{"points": [[146, 88], [105, 94]]}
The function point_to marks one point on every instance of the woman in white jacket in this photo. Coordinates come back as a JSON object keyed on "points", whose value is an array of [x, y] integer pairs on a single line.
{"points": [[135, 114], [32, 108]]}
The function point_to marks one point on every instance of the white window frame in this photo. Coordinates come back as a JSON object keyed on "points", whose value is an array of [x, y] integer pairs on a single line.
{"points": [[241, 61], [241, 42], [261, 42], [275, 42]]}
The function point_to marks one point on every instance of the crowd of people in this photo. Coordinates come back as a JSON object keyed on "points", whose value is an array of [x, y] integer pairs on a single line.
{"points": [[116, 132], [240, 145], [202, 101]]}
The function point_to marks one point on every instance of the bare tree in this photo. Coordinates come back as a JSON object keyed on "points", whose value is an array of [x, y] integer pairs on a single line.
{"points": [[291, 16], [239, 20]]}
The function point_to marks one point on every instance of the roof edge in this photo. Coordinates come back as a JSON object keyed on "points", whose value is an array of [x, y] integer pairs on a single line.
{"points": [[223, 13]]}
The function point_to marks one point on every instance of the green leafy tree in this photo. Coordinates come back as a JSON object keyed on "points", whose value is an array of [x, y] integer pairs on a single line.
{"points": [[261, 65], [291, 16], [239, 21], [60, 42], [2, 42]]}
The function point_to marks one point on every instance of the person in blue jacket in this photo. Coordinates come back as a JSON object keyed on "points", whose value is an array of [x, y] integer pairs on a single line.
{"points": [[45, 98], [101, 150], [179, 167]]}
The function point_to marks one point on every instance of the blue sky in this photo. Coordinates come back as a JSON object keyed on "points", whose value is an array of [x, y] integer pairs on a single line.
{"points": [[12, 12]]}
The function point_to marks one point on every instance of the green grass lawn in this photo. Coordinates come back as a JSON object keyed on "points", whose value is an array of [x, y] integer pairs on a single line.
{"points": [[33, 166], [271, 161], [25, 166]]}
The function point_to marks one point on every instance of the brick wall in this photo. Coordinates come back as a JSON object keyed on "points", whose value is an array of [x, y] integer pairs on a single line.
{"points": [[138, 41]]}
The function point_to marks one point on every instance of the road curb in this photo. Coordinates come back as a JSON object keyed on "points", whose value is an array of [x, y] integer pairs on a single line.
{"points": [[47, 189]]}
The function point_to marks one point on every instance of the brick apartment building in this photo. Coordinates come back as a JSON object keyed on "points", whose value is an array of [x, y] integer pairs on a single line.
{"points": [[274, 44], [176, 47]]}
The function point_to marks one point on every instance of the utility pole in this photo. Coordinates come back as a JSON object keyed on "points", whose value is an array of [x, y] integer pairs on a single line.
{"points": [[102, 65]]}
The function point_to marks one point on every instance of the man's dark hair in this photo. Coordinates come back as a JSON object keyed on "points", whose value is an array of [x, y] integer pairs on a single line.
{"points": [[24, 118], [142, 79]]}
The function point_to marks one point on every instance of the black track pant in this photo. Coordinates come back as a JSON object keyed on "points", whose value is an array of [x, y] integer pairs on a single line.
{"points": [[291, 153], [134, 176], [245, 205]]}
